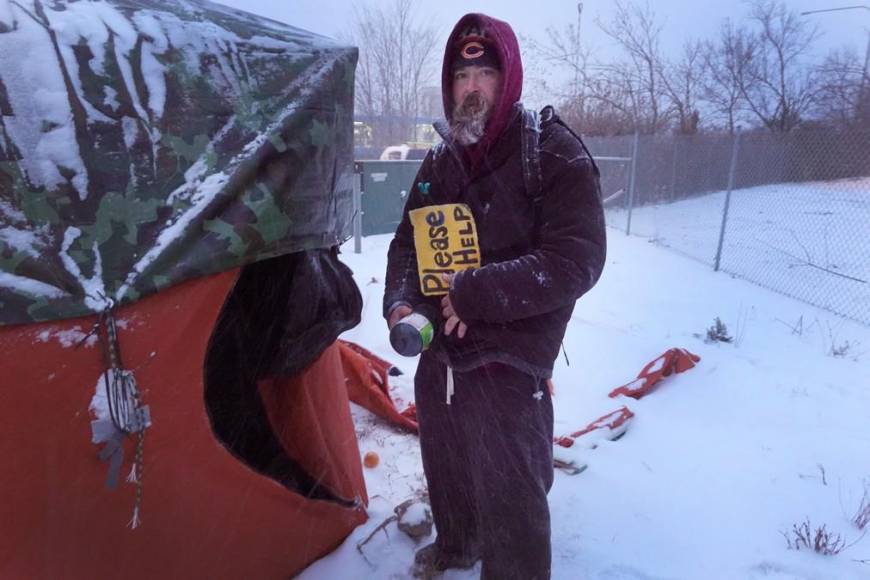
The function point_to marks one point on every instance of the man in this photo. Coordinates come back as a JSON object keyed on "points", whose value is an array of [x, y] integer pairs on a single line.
{"points": [[483, 406]]}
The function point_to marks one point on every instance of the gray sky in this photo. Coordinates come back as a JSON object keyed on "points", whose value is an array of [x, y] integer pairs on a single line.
{"points": [[683, 19]]}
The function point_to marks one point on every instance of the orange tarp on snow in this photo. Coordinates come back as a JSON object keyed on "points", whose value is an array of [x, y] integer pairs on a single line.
{"points": [[367, 377], [204, 513], [614, 424], [673, 361]]}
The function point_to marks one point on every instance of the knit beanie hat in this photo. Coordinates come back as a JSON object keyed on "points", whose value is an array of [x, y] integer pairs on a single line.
{"points": [[473, 49]]}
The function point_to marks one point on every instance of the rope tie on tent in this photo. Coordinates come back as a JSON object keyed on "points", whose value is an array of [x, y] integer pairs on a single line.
{"points": [[127, 416]]}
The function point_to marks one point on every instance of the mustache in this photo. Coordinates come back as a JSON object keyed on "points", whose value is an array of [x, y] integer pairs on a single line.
{"points": [[473, 104], [469, 118]]}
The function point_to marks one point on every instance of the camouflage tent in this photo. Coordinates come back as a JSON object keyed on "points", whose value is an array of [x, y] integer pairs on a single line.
{"points": [[146, 142]]}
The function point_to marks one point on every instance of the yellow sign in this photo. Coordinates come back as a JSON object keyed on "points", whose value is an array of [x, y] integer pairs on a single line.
{"points": [[445, 237]]}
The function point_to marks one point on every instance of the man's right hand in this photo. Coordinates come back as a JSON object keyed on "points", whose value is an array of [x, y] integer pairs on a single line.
{"points": [[396, 315]]}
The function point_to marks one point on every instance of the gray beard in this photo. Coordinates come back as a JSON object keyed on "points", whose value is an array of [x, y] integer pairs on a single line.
{"points": [[468, 122]]}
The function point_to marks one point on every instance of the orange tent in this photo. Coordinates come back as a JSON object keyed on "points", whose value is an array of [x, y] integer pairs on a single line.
{"points": [[204, 513]]}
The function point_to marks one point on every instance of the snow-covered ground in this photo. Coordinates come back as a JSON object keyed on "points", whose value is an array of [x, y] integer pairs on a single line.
{"points": [[808, 240], [763, 434]]}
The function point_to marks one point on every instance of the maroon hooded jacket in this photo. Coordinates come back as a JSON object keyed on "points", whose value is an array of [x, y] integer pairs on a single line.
{"points": [[536, 261]]}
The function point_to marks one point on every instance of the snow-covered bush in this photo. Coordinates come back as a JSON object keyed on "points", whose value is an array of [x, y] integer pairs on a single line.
{"points": [[718, 332], [820, 541], [862, 515]]}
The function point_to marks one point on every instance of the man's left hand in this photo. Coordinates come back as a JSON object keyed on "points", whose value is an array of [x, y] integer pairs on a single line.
{"points": [[453, 321]]}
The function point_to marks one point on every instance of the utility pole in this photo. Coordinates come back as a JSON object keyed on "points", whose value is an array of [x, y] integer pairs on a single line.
{"points": [[579, 93], [577, 49], [862, 100]]}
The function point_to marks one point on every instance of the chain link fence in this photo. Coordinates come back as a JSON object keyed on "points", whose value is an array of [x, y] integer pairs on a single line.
{"points": [[790, 212]]}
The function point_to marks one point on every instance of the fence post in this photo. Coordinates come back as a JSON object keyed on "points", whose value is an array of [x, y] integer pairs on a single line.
{"points": [[674, 170], [632, 180], [735, 149], [357, 207]]}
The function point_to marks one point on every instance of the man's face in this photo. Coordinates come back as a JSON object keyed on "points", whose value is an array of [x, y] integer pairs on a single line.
{"points": [[475, 92], [484, 80]]}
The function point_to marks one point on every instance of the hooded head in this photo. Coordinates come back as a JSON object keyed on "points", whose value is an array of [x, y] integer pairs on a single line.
{"points": [[481, 43]]}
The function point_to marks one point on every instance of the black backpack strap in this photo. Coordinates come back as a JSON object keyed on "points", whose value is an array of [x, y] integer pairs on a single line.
{"points": [[531, 143], [548, 115], [533, 123]]}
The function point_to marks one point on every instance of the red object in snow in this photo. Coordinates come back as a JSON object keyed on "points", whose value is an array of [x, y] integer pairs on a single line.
{"points": [[616, 422], [410, 412], [675, 360], [366, 376]]}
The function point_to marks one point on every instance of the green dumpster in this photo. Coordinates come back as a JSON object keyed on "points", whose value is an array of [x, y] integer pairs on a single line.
{"points": [[384, 187]]}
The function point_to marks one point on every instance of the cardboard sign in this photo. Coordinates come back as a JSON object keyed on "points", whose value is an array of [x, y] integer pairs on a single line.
{"points": [[445, 237]]}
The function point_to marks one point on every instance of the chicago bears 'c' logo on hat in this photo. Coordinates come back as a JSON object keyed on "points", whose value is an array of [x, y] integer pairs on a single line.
{"points": [[472, 50]]}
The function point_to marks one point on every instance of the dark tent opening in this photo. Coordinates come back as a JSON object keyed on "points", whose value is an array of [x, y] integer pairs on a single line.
{"points": [[280, 316]]}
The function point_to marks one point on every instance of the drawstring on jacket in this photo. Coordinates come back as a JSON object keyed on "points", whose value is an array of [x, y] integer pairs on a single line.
{"points": [[449, 384]]}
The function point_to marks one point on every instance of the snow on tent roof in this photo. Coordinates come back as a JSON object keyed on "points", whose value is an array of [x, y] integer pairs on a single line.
{"points": [[146, 142]]}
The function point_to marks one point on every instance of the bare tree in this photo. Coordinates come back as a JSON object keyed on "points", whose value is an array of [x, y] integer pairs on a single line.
{"points": [[617, 97], [396, 61], [683, 84], [637, 31], [839, 97], [613, 104], [778, 85], [726, 60], [557, 68]]}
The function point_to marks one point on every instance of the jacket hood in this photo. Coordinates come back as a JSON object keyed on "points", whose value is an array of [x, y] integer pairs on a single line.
{"points": [[504, 40]]}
